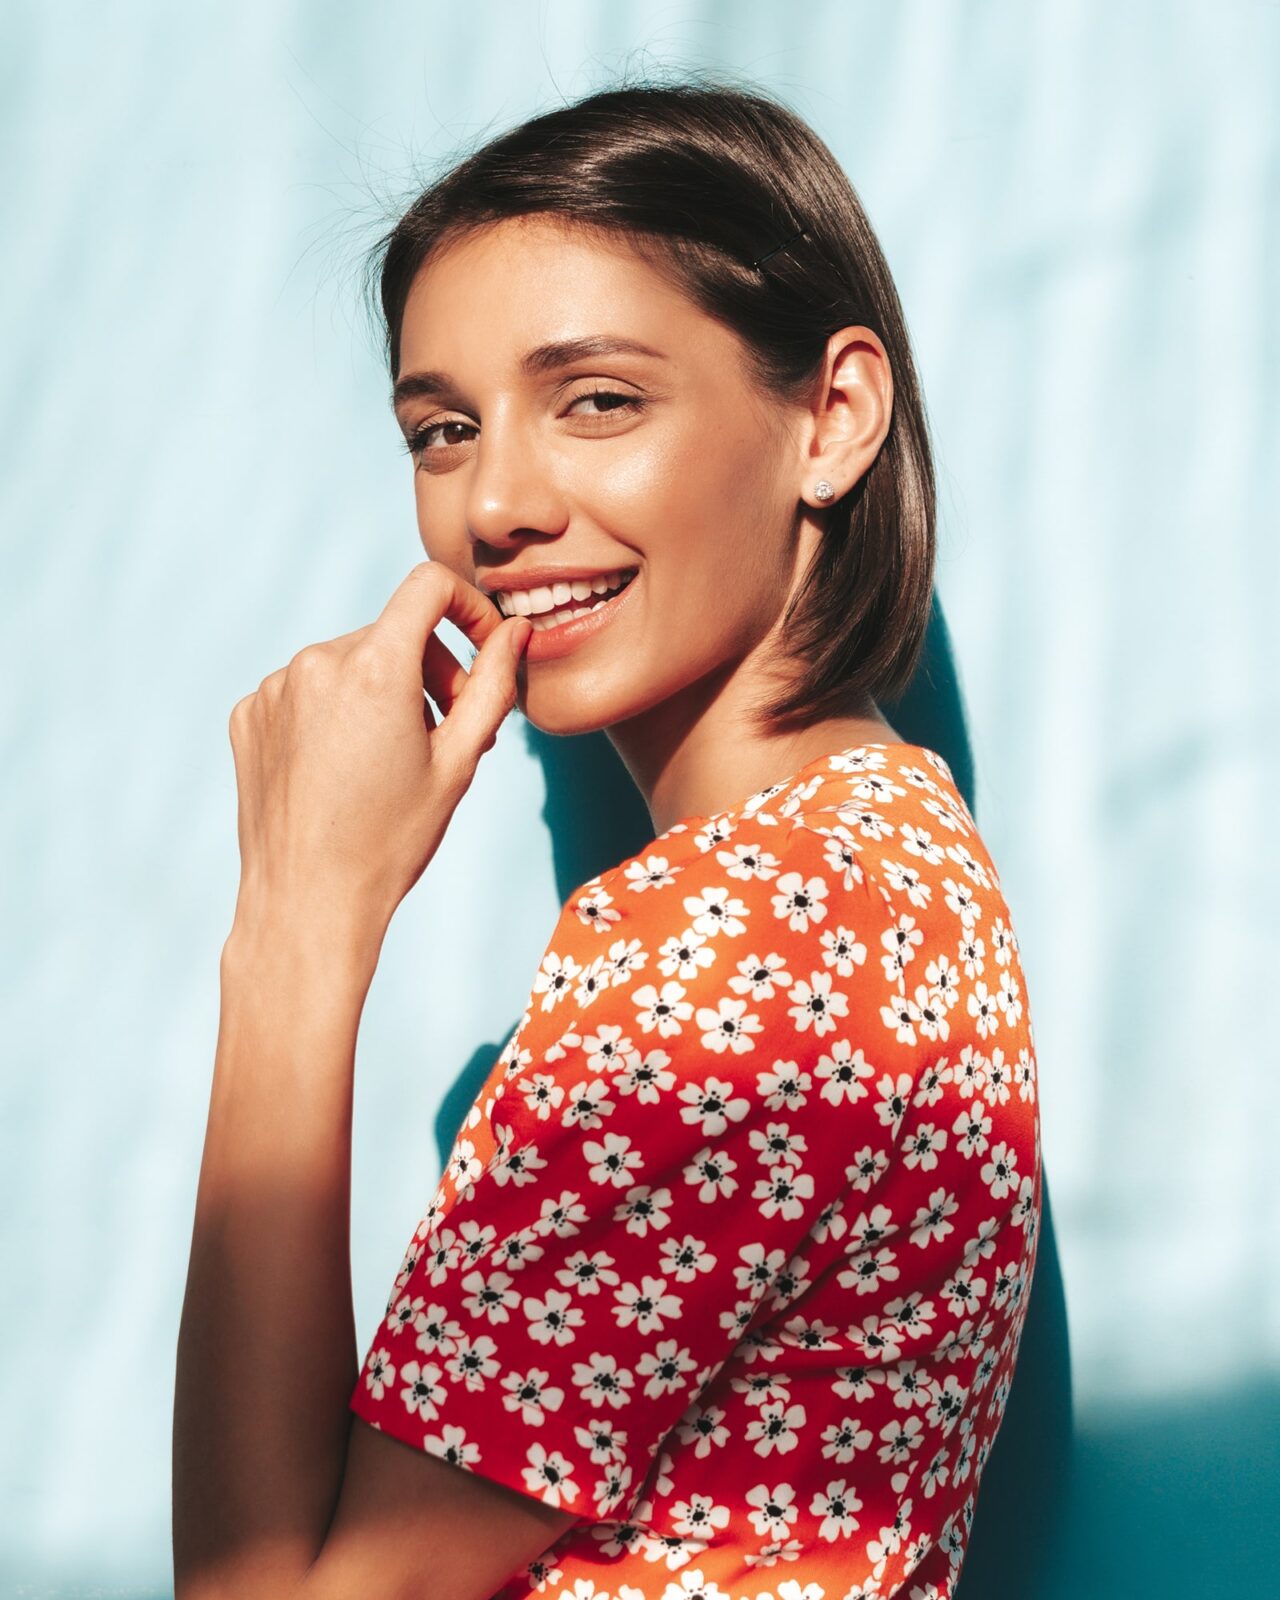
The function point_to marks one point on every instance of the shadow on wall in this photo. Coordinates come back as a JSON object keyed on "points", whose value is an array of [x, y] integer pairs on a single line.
{"points": [[596, 818]]}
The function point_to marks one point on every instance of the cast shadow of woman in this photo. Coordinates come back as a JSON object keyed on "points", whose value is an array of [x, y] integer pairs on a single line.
{"points": [[596, 818]]}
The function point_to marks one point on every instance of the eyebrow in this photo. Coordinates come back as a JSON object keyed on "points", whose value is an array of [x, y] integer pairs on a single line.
{"points": [[534, 363]]}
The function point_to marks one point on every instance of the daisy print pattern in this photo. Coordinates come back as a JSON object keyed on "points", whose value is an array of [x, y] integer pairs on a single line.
{"points": [[731, 1257]]}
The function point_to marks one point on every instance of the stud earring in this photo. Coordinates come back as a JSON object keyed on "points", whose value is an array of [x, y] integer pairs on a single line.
{"points": [[823, 489]]}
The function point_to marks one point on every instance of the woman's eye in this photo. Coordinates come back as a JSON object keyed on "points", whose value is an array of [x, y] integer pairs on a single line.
{"points": [[419, 442]]}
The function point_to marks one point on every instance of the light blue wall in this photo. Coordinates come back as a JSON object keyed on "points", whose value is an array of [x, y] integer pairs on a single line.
{"points": [[199, 475]]}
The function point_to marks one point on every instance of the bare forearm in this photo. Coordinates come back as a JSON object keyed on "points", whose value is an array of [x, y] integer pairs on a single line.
{"points": [[266, 1349]]}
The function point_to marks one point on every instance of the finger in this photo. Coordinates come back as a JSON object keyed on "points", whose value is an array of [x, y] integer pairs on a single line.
{"points": [[443, 675], [430, 593], [487, 696]]}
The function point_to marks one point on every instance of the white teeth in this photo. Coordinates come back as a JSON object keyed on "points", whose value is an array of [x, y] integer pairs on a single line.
{"points": [[545, 599]]}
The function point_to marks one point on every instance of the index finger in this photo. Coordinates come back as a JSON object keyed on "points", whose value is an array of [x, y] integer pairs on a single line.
{"points": [[429, 593]]}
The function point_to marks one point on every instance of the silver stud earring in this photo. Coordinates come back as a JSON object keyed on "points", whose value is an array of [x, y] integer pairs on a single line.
{"points": [[823, 489]]}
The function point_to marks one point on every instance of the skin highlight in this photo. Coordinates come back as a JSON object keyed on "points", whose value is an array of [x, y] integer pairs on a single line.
{"points": [[678, 467]]}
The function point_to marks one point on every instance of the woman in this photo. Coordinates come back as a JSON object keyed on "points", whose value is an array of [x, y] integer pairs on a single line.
{"points": [[722, 1288]]}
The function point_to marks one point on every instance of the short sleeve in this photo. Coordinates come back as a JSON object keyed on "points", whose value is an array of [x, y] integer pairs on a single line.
{"points": [[681, 1105]]}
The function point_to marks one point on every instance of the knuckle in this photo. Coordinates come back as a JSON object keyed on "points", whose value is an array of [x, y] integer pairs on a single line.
{"points": [[369, 667], [310, 663]]}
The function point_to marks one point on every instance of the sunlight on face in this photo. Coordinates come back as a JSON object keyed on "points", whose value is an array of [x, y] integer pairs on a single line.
{"points": [[681, 473]]}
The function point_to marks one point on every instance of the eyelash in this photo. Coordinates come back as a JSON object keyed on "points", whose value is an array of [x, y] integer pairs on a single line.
{"points": [[416, 443]]}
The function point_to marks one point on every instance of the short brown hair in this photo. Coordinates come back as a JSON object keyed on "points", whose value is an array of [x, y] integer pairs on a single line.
{"points": [[707, 177]]}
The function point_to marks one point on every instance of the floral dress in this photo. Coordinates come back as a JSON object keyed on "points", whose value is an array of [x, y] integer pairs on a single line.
{"points": [[732, 1252]]}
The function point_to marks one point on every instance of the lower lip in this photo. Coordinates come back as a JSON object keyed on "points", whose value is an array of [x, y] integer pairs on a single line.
{"points": [[546, 644]]}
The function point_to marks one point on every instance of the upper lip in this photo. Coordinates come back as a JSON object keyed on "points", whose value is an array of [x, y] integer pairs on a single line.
{"points": [[544, 577]]}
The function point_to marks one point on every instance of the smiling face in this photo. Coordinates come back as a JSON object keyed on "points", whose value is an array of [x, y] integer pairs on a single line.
{"points": [[668, 464]]}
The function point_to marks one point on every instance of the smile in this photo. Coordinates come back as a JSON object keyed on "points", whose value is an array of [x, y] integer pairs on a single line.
{"points": [[551, 606]]}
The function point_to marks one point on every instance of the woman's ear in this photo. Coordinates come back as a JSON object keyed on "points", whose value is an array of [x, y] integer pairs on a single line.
{"points": [[852, 409]]}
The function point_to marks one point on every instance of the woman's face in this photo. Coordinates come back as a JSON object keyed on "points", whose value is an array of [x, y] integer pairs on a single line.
{"points": [[666, 465]]}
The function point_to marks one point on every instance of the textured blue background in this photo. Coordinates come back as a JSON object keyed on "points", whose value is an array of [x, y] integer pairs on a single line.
{"points": [[199, 474]]}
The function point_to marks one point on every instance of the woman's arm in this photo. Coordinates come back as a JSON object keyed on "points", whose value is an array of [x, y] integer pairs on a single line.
{"points": [[273, 1493], [345, 792]]}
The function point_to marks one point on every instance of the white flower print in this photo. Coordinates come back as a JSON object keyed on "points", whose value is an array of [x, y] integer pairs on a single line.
{"points": [[531, 1395], [473, 1361], [901, 1437], [841, 1073], [817, 1003], [748, 861], [836, 1505], [776, 1145], [800, 901], [727, 1027], [842, 950], [843, 1440], [958, 897], [922, 1145], [971, 951], [711, 1106], [840, 854], [664, 1009], [423, 1391], [588, 1104], [904, 879], [784, 1087], [783, 1192], [653, 873], [895, 1098], [868, 1270], [548, 1475], [646, 1078], [760, 977], [919, 842], [555, 978], [772, 1509], [902, 1015], [901, 942], [776, 1428], [626, 958], [1009, 999], [490, 1296], [380, 1374], [608, 1047], [684, 955], [710, 1172], [665, 1367], [760, 1268], [601, 1381], [1024, 1074], [592, 980], [758, 1117], [646, 1305], [716, 911], [703, 1428], [554, 1317], [644, 1208], [970, 1072], [698, 1515], [1000, 1174], [451, 1444], [866, 1168], [586, 1273], [542, 1094], [613, 1159], [930, 1225]]}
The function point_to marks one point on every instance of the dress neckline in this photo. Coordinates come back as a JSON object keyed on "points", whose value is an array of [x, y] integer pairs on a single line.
{"points": [[753, 802]]}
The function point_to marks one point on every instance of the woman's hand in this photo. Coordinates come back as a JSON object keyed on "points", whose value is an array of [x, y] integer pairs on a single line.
{"points": [[346, 782]]}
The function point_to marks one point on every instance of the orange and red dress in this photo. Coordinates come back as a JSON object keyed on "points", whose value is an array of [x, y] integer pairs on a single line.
{"points": [[731, 1255]]}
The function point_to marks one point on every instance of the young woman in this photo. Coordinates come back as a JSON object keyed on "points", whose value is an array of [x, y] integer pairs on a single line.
{"points": [[721, 1292]]}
